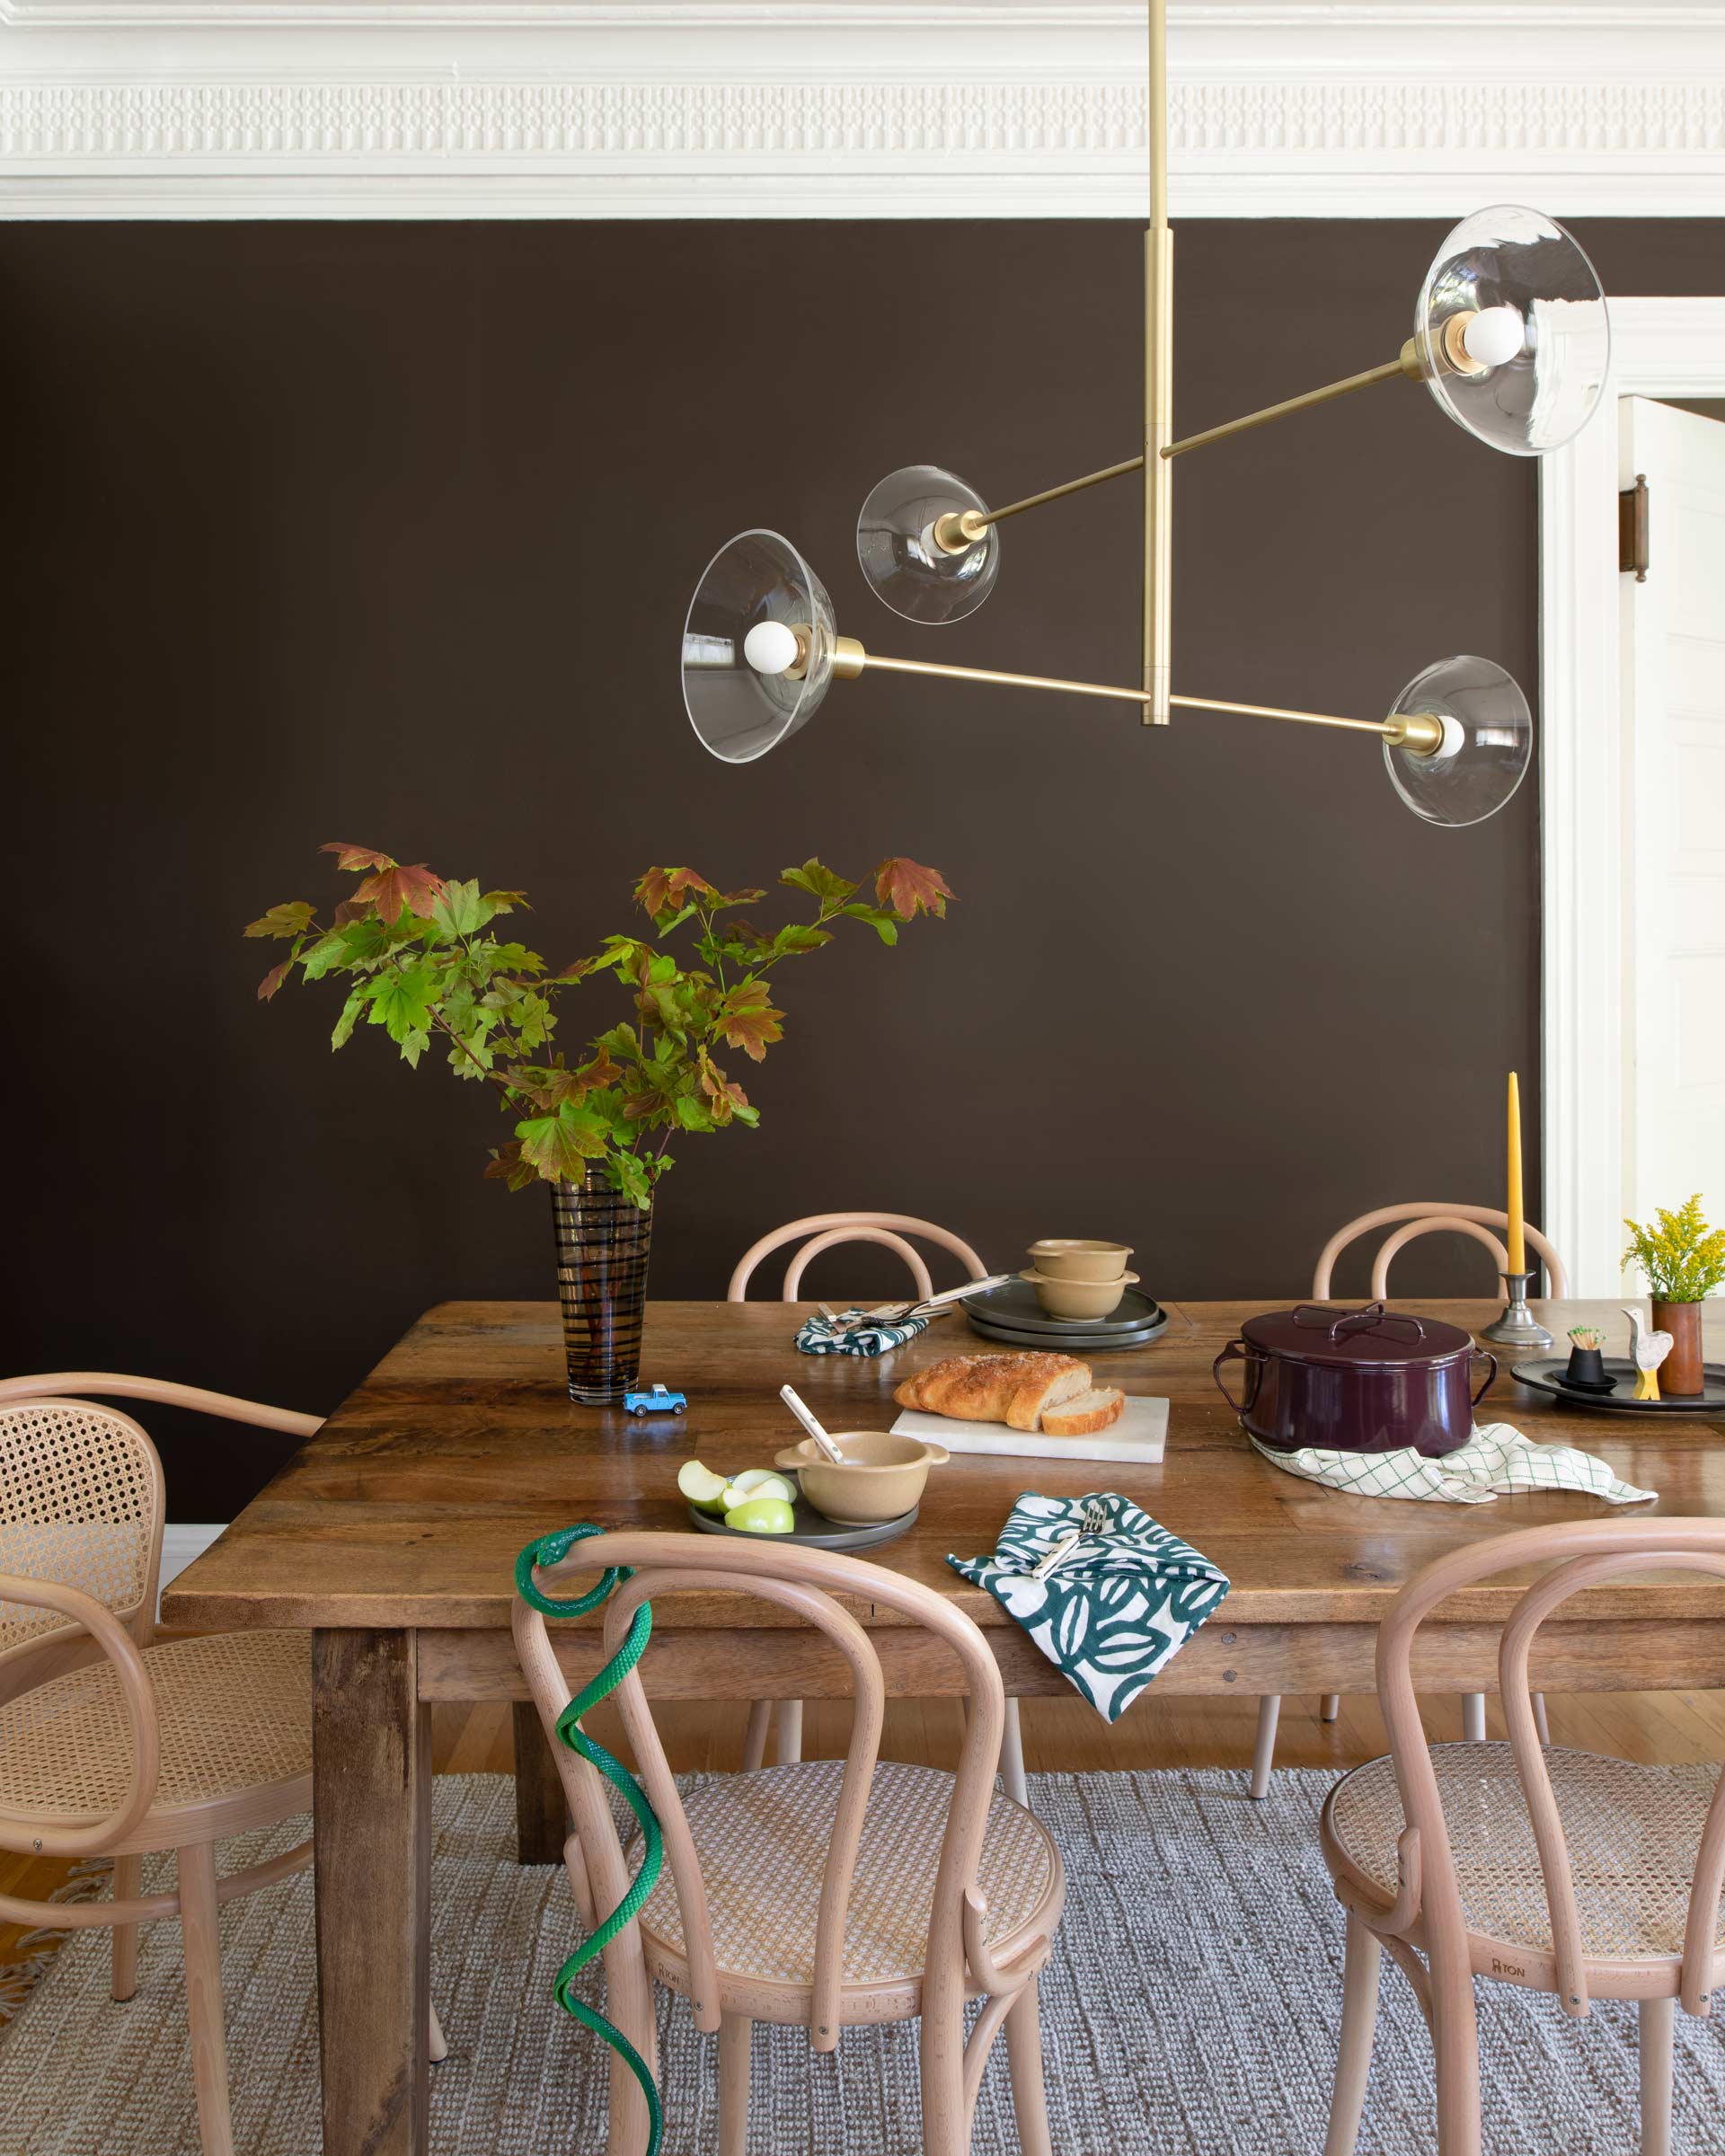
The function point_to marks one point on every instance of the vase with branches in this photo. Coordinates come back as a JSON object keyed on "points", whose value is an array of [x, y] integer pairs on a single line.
{"points": [[424, 960]]}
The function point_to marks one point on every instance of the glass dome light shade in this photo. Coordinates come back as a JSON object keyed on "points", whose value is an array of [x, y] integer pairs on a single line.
{"points": [[737, 710], [906, 566], [1509, 264], [1489, 742]]}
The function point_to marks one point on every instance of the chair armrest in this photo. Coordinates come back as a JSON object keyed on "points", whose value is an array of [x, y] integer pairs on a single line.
{"points": [[109, 1384], [35, 1837]]}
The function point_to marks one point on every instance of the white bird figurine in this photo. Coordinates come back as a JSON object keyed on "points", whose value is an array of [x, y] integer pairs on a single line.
{"points": [[1646, 1351]]}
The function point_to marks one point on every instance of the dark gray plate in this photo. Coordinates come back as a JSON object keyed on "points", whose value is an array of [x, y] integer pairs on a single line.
{"points": [[813, 1528], [1015, 1305], [1107, 1339], [1544, 1377]]}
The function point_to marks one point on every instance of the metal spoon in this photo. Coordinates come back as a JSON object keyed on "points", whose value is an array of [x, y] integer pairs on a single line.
{"points": [[789, 1397]]}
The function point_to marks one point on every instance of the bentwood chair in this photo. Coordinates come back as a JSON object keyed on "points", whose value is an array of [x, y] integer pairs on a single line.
{"points": [[825, 1232], [112, 1745], [820, 1893], [1423, 1217], [1572, 1873]]}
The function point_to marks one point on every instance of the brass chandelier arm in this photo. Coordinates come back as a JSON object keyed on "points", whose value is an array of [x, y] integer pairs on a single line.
{"points": [[1418, 731], [967, 525], [1403, 368]]}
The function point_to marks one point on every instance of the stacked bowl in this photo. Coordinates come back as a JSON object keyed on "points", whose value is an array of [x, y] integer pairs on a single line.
{"points": [[1075, 1293]]}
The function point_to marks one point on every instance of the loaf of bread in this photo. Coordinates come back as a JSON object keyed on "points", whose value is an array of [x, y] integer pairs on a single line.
{"points": [[1017, 1389], [1085, 1413]]}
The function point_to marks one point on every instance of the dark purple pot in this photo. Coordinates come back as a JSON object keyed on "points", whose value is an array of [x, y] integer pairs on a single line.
{"points": [[1355, 1380]]}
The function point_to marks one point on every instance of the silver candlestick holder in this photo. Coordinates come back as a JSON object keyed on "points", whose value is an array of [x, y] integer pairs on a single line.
{"points": [[1518, 1327]]}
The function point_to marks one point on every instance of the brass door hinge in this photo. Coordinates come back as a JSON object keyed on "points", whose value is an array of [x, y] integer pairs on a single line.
{"points": [[1632, 528]]}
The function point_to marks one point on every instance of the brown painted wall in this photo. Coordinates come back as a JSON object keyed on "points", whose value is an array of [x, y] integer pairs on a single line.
{"points": [[385, 532]]}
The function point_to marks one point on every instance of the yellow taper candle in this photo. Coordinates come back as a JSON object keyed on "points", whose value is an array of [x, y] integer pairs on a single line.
{"points": [[1516, 1240]]}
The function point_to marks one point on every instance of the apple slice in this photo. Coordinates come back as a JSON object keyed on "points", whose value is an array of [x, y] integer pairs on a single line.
{"points": [[705, 1490], [760, 1482], [762, 1515]]}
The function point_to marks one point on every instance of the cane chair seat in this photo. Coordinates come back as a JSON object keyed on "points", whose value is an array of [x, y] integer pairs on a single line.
{"points": [[762, 1842], [1632, 1833], [235, 1714]]}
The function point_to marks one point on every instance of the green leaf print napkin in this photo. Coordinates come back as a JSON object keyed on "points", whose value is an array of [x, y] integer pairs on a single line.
{"points": [[1120, 1606]]}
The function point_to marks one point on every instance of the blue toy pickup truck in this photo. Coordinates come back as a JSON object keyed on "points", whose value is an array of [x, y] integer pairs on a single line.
{"points": [[659, 1401]]}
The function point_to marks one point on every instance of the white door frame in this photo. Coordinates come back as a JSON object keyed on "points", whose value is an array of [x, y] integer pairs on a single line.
{"points": [[1660, 348]]}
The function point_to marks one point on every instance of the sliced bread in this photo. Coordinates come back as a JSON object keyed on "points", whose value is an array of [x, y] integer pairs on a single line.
{"points": [[1085, 1413]]}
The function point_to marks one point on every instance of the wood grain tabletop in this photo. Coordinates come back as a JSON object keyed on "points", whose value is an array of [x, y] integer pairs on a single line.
{"points": [[408, 1507]]}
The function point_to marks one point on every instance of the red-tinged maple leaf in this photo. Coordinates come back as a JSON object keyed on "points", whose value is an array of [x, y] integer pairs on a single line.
{"points": [[663, 890], [638, 1107], [749, 1021], [394, 888], [906, 888], [740, 898], [601, 1070], [357, 857], [272, 980]]}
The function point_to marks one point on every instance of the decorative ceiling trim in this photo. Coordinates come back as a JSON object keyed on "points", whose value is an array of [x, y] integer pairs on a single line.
{"points": [[735, 108]]}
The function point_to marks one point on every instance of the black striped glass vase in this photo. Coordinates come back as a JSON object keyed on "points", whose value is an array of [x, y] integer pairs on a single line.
{"points": [[603, 1240]]}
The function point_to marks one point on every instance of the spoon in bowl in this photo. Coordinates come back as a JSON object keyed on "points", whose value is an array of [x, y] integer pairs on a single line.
{"points": [[809, 1423]]}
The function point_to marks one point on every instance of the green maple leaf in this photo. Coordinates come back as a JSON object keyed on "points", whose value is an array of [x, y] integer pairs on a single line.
{"points": [[349, 1018], [283, 920], [400, 1003], [821, 882], [459, 908], [559, 1145]]}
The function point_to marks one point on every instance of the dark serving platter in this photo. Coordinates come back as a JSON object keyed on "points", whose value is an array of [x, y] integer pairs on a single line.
{"points": [[1013, 1312], [1111, 1340], [1546, 1377], [813, 1528]]}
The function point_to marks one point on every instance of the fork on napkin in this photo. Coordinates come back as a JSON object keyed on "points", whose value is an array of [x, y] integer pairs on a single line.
{"points": [[1125, 1599]]}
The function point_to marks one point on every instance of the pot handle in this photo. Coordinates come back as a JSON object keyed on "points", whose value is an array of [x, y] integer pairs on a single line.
{"points": [[1484, 1355], [1234, 1351]]}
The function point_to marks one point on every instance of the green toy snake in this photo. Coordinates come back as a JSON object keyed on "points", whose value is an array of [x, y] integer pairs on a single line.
{"points": [[549, 1551]]}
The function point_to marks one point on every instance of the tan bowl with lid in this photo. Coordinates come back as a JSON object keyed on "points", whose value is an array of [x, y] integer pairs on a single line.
{"points": [[1079, 1299], [1065, 1258], [881, 1478]]}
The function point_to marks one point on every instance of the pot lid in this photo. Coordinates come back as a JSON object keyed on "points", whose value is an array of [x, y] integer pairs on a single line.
{"points": [[1366, 1338]]}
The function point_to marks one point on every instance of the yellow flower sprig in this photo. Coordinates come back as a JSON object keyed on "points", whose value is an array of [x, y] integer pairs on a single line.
{"points": [[1682, 1259]]}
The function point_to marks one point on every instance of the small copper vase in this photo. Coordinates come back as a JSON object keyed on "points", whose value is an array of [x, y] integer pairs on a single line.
{"points": [[1681, 1372]]}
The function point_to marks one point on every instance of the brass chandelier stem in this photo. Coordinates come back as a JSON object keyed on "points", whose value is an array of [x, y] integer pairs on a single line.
{"points": [[1158, 390]]}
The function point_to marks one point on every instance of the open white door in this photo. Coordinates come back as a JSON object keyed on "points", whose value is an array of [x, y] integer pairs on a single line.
{"points": [[1673, 649]]}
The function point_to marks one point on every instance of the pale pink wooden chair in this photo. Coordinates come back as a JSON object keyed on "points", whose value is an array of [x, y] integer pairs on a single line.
{"points": [[819, 1893], [1572, 1873], [109, 1744], [1423, 1217], [825, 1232]]}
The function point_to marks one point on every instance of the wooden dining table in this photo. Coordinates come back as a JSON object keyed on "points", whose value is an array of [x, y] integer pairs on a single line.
{"points": [[393, 1534]]}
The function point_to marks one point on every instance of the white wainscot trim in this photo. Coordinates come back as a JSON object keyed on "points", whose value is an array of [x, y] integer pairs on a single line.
{"points": [[1660, 348], [181, 1543], [854, 108]]}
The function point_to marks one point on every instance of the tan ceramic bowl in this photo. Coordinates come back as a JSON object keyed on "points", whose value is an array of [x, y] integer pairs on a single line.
{"points": [[882, 1477], [1079, 1299], [1062, 1257]]}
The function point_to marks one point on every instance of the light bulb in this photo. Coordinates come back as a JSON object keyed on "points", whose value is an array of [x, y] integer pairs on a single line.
{"points": [[1494, 336], [770, 647]]}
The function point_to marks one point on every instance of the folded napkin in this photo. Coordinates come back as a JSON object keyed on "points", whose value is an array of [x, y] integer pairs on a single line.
{"points": [[1121, 1605], [1497, 1461], [828, 1336]]}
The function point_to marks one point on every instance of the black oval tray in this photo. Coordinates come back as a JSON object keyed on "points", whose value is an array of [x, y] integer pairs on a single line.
{"points": [[813, 1529], [1542, 1377]]}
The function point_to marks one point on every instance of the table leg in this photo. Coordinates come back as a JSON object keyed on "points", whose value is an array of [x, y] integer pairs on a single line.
{"points": [[371, 1780], [541, 1815]]}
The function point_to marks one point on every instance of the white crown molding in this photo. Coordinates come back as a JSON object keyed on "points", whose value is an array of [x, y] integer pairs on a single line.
{"points": [[859, 108]]}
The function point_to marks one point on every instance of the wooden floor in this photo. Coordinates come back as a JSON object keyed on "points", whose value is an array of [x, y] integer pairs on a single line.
{"points": [[1063, 1735]]}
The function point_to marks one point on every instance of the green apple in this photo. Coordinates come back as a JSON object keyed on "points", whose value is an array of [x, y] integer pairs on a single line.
{"points": [[703, 1489], [762, 1515], [759, 1482]]}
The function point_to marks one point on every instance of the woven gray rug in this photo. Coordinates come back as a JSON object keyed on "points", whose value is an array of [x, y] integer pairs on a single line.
{"points": [[1189, 2010]]}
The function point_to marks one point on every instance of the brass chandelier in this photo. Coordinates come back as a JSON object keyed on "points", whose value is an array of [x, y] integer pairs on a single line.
{"points": [[1510, 336]]}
